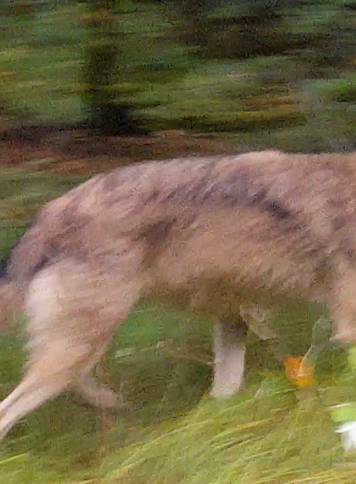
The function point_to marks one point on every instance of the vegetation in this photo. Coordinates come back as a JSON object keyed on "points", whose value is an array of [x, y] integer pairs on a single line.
{"points": [[255, 73], [282, 71]]}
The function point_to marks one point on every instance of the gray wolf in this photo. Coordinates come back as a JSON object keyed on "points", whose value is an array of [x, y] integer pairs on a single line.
{"points": [[208, 234]]}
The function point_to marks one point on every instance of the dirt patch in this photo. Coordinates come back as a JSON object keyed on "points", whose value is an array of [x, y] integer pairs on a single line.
{"points": [[82, 152]]}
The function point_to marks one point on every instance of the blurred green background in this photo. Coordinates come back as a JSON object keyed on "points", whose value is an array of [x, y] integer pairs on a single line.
{"points": [[89, 85], [266, 72]]}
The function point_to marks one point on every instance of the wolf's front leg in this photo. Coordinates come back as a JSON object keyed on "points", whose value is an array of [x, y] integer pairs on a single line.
{"points": [[229, 364]]}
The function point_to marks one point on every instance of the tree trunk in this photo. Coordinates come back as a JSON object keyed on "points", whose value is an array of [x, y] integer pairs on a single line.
{"points": [[105, 112]]}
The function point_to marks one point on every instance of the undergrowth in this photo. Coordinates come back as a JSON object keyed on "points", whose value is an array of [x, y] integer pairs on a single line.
{"points": [[167, 429]]}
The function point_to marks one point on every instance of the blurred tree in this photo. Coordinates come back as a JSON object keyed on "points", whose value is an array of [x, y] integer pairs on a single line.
{"points": [[238, 29], [106, 112]]}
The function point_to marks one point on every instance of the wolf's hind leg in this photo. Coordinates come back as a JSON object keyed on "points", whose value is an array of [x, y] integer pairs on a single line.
{"points": [[343, 308], [96, 394], [73, 312]]}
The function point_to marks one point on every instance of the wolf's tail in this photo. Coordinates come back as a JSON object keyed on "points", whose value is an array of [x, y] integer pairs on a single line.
{"points": [[11, 302]]}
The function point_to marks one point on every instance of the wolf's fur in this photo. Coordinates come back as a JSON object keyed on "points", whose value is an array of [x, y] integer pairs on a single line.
{"points": [[210, 234]]}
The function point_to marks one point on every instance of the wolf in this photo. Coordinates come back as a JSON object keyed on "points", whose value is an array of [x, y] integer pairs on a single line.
{"points": [[211, 235]]}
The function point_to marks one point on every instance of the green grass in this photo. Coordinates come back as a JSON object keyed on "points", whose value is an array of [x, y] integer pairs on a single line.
{"points": [[167, 429]]}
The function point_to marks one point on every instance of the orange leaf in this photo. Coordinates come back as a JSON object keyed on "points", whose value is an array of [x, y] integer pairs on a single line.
{"points": [[300, 373]]}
